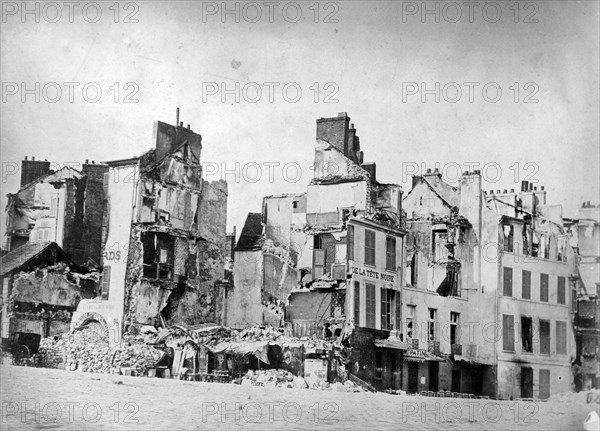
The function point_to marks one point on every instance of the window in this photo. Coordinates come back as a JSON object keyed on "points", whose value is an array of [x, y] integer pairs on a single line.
{"points": [[507, 230], [544, 337], [561, 338], [370, 305], [574, 300], [544, 384], [440, 239], [350, 243], [390, 253], [369, 247], [411, 314], [431, 324], [507, 281], [560, 291], [357, 303], [544, 287], [454, 322], [508, 333], [319, 257], [527, 334], [387, 300], [158, 255], [105, 282], [526, 285]]}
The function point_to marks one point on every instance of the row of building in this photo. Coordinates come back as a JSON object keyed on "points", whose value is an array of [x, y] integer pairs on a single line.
{"points": [[440, 288]]}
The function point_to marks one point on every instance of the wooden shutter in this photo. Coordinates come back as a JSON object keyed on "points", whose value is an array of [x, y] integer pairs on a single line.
{"points": [[561, 338], [105, 283], [544, 287], [508, 332], [526, 285], [508, 281], [560, 291]]}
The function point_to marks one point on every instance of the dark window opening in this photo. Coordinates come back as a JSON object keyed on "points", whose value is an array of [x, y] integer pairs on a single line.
{"points": [[544, 337], [527, 333], [508, 231], [357, 303], [158, 255], [378, 365], [561, 338], [387, 302], [350, 243], [454, 324]]}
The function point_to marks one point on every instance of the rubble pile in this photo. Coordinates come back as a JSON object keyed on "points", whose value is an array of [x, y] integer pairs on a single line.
{"points": [[273, 378], [86, 351]]}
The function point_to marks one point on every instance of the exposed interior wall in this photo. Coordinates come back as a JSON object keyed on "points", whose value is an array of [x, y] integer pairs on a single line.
{"points": [[244, 302]]}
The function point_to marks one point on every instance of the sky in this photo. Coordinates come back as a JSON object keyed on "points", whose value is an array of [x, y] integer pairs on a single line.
{"points": [[508, 88]]}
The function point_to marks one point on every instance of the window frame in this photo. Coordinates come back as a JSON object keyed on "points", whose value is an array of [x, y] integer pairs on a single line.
{"points": [[370, 247]]}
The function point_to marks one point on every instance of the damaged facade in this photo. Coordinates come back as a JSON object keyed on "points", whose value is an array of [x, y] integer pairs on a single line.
{"points": [[64, 206], [292, 267], [40, 290], [488, 290], [585, 229], [163, 239]]}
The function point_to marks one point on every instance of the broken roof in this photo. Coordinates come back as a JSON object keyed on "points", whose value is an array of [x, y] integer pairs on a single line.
{"points": [[32, 254], [251, 233], [62, 174], [444, 190]]}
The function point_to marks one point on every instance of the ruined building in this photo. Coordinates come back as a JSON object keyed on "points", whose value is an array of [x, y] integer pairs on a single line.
{"points": [[40, 291], [585, 229], [163, 239], [488, 295], [63, 206], [327, 262]]}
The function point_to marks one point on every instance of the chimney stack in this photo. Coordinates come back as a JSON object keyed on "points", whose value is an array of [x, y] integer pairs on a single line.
{"points": [[32, 170], [177, 116]]}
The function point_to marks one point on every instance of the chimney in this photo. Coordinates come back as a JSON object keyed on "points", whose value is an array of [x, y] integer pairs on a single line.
{"points": [[32, 170], [371, 168], [177, 116], [524, 185], [335, 130]]}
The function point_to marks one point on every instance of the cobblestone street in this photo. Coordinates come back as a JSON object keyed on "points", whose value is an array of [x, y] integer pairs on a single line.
{"points": [[34, 398]]}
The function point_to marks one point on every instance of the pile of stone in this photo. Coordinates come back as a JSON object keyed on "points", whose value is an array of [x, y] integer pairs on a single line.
{"points": [[88, 352], [273, 378]]}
